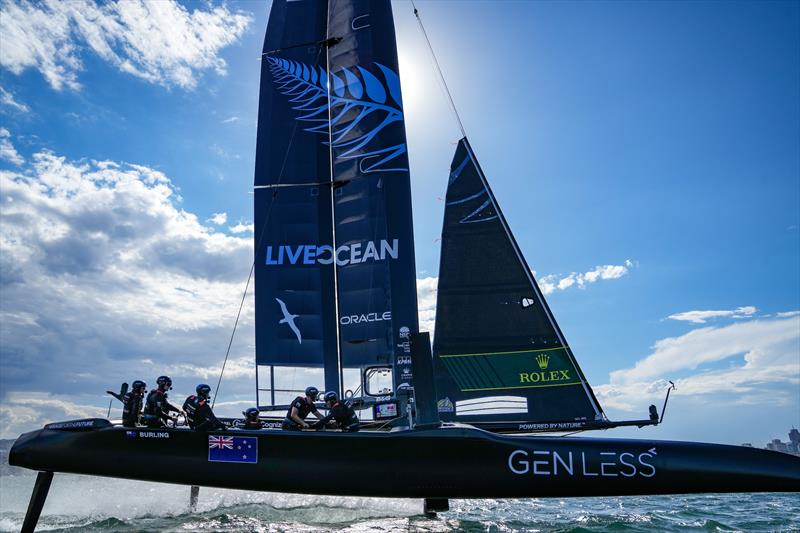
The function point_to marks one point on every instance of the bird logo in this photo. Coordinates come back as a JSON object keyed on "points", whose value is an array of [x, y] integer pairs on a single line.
{"points": [[288, 318]]}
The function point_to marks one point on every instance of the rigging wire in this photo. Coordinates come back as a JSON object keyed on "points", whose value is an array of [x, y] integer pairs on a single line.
{"points": [[439, 70], [230, 342]]}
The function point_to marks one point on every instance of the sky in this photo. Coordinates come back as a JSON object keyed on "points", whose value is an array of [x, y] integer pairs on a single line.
{"points": [[646, 156]]}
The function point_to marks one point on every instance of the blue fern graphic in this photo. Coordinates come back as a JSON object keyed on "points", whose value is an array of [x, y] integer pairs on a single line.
{"points": [[306, 86]]}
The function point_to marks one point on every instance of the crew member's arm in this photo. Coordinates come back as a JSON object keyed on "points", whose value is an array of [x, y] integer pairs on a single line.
{"points": [[323, 421], [115, 395], [295, 416], [210, 422], [170, 407], [163, 408], [316, 412]]}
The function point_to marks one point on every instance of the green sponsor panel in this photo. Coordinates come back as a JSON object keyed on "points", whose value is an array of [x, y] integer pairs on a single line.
{"points": [[512, 370]]}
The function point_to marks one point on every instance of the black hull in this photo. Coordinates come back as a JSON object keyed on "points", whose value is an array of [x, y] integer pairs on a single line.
{"points": [[450, 462]]}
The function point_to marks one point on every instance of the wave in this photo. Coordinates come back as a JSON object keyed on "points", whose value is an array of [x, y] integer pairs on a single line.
{"points": [[84, 503]]}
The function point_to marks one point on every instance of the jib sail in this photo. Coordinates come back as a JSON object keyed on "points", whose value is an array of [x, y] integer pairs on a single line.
{"points": [[334, 256], [498, 352]]}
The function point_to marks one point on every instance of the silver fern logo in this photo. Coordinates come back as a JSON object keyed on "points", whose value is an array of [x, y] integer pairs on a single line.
{"points": [[361, 107]]}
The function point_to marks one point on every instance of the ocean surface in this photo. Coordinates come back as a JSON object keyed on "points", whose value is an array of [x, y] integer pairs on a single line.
{"points": [[83, 503]]}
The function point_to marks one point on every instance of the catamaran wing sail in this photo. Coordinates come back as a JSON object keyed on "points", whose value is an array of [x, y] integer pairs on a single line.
{"points": [[335, 275], [376, 276], [498, 353], [294, 248]]}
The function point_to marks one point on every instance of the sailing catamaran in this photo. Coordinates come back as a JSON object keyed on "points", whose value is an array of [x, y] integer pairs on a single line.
{"points": [[336, 294]]}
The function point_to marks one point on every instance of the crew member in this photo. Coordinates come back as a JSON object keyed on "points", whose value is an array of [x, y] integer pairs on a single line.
{"points": [[300, 409], [199, 415], [343, 414], [157, 408], [132, 404], [251, 420]]}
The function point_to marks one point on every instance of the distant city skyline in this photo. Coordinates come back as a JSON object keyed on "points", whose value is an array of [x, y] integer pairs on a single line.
{"points": [[646, 155]]}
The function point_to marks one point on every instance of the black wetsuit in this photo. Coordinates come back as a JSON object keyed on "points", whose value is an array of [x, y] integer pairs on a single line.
{"points": [[157, 408], [303, 410], [343, 414], [199, 415], [131, 408]]}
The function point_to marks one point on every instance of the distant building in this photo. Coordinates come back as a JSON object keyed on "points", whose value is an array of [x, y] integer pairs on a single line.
{"points": [[793, 446], [794, 440], [777, 446]]}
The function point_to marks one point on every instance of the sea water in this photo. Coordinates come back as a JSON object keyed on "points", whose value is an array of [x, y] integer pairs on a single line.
{"points": [[83, 503]]}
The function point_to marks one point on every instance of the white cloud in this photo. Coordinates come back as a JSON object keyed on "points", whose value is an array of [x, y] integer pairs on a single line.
{"points": [[242, 228], [761, 354], [7, 150], [218, 218], [553, 282], [700, 317], [22, 411], [222, 153], [7, 99], [161, 42], [230, 120], [100, 269], [426, 303], [787, 314]]}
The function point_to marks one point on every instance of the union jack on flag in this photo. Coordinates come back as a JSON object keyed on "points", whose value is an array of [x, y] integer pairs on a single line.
{"points": [[218, 441], [232, 449]]}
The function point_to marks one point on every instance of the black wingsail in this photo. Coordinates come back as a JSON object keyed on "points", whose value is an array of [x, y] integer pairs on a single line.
{"points": [[294, 272], [498, 352], [335, 274], [376, 276]]}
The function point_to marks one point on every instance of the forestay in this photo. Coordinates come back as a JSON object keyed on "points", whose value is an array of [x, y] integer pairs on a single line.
{"points": [[498, 352]]}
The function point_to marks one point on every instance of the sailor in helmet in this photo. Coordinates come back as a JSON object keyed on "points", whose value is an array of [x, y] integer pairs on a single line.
{"points": [[157, 408], [300, 409], [251, 420], [199, 415], [132, 404], [340, 412]]}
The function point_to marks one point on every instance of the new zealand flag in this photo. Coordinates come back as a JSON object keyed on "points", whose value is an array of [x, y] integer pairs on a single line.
{"points": [[232, 449]]}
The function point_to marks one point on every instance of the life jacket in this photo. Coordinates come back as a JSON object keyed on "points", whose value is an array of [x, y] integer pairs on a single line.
{"points": [[154, 405], [131, 408], [190, 407]]}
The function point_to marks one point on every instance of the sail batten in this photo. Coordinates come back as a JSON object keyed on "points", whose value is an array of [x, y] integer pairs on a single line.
{"points": [[495, 334]]}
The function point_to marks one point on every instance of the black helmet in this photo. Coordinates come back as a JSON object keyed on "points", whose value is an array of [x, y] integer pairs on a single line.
{"points": [[331, 396], [139, 385], [203, 390], [312, 392], [165, 382], [251, 414]]}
